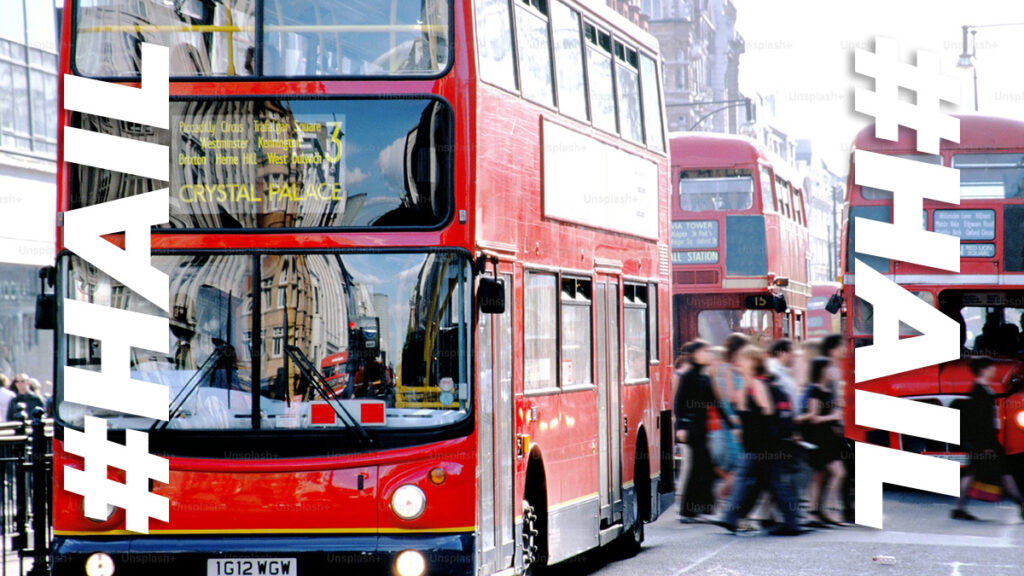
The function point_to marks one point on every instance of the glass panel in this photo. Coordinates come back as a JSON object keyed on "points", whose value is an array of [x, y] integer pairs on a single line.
{"points": [[629, 102], [572, 92], [20, 100], [879, 213], [391, 329], [602, 94], [746, 251], [39, 102], [992, 321], [990, 175], [864, 316], [6, 98], [878, 194], [540, 323], [715, 325], [208, 367], [576, 334], [205, 38], [301, 37], [1013, 238], [355, 38], [767, 197], [534, 56], [652, 104], [294, 163], [494, 43], [634, 326], [652, 321], [716, 190]]}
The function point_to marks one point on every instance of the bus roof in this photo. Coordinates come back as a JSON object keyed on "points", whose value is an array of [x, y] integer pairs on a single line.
{"points": [[707, 150], [976, 132]]}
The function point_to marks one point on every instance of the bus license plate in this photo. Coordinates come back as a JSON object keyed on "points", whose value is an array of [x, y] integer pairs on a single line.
{"points": [[251, 567]]}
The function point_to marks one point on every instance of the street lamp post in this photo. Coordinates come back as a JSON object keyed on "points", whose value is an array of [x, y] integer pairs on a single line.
{"points": [[967, 59]]}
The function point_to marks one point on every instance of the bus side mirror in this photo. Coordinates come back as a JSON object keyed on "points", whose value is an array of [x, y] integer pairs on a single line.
{"points": [[46, 304], [491, 295], [835, 303]]}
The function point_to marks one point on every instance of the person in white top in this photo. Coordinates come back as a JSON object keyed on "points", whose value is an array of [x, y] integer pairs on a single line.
{"points": [[781, 366], [5, 396]]}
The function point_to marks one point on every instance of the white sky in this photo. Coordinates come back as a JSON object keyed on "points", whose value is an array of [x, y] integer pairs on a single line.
{"points": [[802, 51]]}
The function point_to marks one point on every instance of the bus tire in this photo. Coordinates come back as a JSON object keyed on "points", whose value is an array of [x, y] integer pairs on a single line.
{"points": [[632, 539], [535, 522]]}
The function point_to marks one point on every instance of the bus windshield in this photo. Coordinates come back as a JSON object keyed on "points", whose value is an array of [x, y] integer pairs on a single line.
{"points": [[299, 37], [331, 329], [990, 321], [716, 190], [295, 163]]}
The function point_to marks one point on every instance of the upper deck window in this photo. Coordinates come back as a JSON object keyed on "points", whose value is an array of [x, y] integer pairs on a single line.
{"points": [[534, 51], [990, 176], [494, 43], [599, 75], [628, 81], [652, 104], [572, 88], [877, 194], [295, 163], [716, 190], [300, 38]]}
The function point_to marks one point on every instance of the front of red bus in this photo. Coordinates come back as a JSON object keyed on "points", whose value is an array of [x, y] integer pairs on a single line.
{"points": [[737, 262], [321, 303], [985, 298]]}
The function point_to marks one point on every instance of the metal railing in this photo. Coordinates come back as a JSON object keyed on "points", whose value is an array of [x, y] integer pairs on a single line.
{"points": [[26, 473]]}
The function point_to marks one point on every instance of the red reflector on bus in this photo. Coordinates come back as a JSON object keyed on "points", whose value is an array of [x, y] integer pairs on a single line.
{"points": [[321, 414], [371, 413]]}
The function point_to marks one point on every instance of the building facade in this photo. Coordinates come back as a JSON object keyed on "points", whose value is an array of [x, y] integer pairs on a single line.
{"points": [[700, 49], [823, 190], [28, 148]]}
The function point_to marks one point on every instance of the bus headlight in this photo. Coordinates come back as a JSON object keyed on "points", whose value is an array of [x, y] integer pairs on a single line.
{"points": [[408, 502], [410, 563], [1020, 419], [99, 564]]}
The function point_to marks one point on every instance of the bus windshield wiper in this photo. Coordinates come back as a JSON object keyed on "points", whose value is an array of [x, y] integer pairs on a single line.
{"points": [[221, 351], [319, 384]]}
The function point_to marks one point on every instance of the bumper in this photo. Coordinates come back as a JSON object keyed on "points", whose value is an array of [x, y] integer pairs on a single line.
{"points": [[315, 554]]}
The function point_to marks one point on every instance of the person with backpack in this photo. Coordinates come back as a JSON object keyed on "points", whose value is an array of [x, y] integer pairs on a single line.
{"points": [[767, 417]]}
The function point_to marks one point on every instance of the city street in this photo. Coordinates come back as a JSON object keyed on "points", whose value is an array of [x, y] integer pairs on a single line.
{"points": [[918, 533]]}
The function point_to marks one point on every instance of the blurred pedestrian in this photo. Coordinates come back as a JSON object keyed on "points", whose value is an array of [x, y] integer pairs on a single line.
{"points": [[978, 435], [695, 397], [5, 395], [25, 396], [767, 419], [820, 417]]}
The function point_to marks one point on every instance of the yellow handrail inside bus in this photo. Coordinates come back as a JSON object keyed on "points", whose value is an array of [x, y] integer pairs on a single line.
{"points": [[271, 28]]}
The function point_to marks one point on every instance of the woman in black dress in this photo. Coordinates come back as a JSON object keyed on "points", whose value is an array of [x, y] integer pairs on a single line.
{"points": [[694, 397], [820, 418]]}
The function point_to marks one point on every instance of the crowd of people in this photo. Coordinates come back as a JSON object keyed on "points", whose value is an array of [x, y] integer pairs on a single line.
{"points": [[768, 425], [762, 425], [21, 394]]}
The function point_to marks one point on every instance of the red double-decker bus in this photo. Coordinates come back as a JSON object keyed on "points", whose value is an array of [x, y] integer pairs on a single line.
{"points": [[470, 195], [820, 322], [986, 298], [739, 242]]}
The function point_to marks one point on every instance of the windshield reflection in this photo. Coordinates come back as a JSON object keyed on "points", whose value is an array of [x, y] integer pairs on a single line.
{"points": [[332, 340]]}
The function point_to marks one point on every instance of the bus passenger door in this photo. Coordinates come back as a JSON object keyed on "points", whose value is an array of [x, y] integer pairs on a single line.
{"points": [[606, 299], [495, 418]]}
